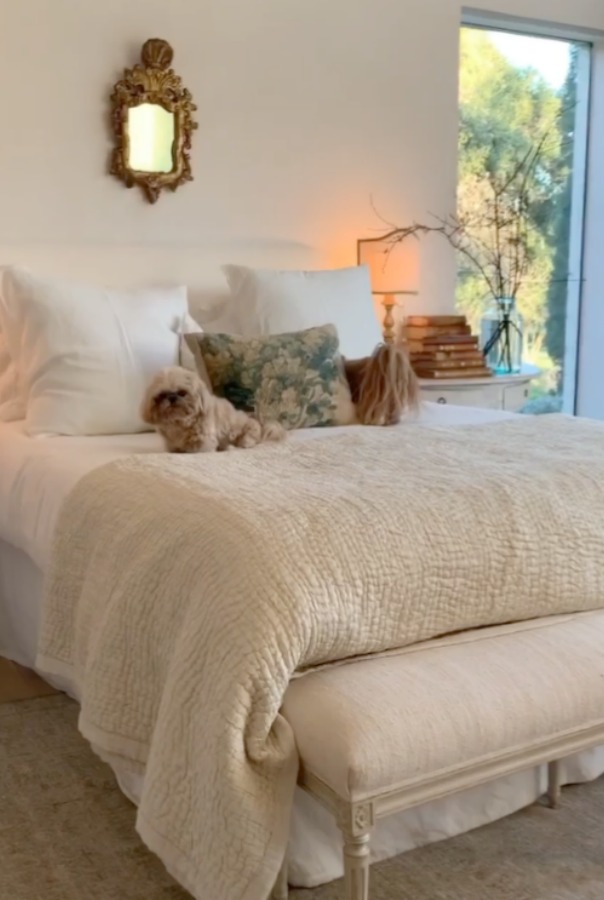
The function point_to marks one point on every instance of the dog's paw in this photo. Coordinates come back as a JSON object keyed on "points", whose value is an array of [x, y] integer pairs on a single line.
{"points": [[273, 431], [246, 440], [209, 445]]}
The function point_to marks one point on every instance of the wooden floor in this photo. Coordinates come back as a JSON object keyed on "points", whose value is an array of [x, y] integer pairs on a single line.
{"points": [[17, 683]]}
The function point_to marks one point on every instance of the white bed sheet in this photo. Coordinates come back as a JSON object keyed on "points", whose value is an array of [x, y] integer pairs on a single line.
{"points": [[35, 478], [37, 474], [21, 591]]}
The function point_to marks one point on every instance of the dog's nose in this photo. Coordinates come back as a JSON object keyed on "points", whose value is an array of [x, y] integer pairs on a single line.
{"points": [[172, 398]]}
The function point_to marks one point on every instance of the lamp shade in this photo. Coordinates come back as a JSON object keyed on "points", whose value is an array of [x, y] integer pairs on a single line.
{"points": [[393, 267]]}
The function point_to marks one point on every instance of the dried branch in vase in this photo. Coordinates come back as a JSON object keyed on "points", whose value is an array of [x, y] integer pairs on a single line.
{"points": [[495, 236], [491, 230]]}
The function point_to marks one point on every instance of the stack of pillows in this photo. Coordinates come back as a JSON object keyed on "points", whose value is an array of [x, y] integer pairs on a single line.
{"points": [[76, 360]]}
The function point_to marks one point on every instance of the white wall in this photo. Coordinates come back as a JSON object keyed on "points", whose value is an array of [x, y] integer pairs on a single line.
{"points": [[306, 109]]}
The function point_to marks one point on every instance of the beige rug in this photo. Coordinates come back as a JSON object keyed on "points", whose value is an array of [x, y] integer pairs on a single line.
{"points": [[66, 833]]}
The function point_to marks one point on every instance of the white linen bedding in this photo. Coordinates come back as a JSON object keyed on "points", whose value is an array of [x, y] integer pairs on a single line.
{"points": [[221, 576], [35, 477], [21, 595]]}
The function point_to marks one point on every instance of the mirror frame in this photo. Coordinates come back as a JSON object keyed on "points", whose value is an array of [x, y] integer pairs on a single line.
{"points": [[156, 83]]}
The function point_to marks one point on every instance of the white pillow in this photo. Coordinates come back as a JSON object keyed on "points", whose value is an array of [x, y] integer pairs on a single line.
{"points": [[265, 302], [12, 406], [85, 355], [186, 355]]}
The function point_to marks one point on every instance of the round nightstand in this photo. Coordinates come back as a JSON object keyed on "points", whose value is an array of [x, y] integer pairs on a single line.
{"points": [[509, 392]]}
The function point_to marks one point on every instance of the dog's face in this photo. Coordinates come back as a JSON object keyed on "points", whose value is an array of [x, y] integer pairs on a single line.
{"points": [[173, 395]]}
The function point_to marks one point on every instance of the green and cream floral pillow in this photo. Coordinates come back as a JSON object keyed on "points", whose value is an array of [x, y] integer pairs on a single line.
{"points": [[296, 379]]}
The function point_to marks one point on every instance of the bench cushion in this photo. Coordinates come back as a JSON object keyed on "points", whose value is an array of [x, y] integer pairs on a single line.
{"points": [[375, 725]]}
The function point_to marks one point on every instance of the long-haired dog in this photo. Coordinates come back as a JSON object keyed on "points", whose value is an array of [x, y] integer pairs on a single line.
{"points": [[191, 419], [383, 385]]}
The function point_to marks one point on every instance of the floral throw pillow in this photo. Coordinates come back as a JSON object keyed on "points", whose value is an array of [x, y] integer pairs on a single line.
{"points": [[296, 379]]}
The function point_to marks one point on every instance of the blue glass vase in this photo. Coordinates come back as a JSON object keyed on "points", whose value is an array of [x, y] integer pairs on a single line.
{"points": [[501, 337]]}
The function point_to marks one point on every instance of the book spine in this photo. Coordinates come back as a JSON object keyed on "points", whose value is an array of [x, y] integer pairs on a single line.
{"points": [[453, 373], [450, 364], [435, 321], [415, 333]]}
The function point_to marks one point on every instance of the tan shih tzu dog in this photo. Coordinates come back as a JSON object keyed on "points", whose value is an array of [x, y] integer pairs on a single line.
{"points": [[191, 419]]}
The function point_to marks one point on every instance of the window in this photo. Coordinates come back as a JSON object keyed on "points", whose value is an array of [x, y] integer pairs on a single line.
{"points": [[519, 92]]}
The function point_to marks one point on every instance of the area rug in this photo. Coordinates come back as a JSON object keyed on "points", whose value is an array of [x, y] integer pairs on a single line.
{"points": [[67, 833]]}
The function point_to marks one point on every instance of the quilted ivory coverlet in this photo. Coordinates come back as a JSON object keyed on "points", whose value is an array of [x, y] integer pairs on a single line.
{"points": [[185, 592]]}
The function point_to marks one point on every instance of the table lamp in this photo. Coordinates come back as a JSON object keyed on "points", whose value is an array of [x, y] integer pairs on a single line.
{"points": [[393, 271]]}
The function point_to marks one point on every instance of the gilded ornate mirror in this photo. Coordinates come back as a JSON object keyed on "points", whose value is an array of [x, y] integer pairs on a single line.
{"points": [[153, 124]]}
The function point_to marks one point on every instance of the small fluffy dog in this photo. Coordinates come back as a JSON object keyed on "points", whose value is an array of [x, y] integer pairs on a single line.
{"points": [[383, 385], [191, 419]]}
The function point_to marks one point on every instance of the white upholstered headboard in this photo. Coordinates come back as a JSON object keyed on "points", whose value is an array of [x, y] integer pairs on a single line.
{"points": [[137, 265]]}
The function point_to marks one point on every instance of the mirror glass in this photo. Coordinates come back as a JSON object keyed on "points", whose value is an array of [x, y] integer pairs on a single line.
{"points": [[151, 138]]}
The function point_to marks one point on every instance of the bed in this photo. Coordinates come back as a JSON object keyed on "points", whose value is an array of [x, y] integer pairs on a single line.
{"points": [[177, 598], [35, 478]]}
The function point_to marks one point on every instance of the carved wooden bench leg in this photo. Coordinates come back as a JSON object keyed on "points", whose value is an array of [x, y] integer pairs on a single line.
{"points": [[553, 784], [281, 890], [356, 823], [356, 867]]}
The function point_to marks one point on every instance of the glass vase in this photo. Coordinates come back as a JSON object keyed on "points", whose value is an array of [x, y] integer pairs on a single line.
{"points": [[501, 337]]}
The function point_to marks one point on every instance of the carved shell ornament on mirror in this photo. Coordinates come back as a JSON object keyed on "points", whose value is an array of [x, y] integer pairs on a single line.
{"points": [[153, 124]]}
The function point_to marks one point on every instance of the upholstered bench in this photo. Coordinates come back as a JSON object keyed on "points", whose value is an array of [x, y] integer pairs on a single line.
{"points": [[379, 735]]}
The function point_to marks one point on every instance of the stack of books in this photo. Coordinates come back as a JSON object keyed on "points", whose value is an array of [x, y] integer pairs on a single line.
{"points": [[444, 347]]}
